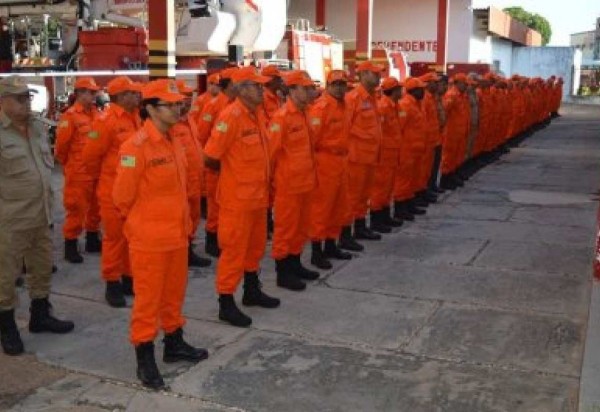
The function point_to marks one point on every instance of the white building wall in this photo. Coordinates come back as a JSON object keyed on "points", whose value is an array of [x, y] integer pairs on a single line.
{"points": [[502, 52], [459, 29], [547, 61]]}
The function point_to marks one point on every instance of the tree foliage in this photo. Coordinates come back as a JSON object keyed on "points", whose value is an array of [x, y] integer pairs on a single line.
{"points": [[533, 21]]}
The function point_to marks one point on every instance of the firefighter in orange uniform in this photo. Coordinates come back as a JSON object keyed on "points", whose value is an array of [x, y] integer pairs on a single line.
{"points": [[79, 194], [329, 208], [212, 91], [101, 156], [239, 148], [413, 130], [429, 167], [294, 181], [364, 147], [186, 131], [207, 120], [150, 192], [386, 169], [272, 101]]}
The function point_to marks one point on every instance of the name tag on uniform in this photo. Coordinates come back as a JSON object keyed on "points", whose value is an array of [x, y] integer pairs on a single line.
{"points": [[249, 132], [159, 161], [127, 161]]}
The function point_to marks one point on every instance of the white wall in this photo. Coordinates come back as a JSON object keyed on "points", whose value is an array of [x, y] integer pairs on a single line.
{"points": [[547, 61], [409, 23], [502, 50]]}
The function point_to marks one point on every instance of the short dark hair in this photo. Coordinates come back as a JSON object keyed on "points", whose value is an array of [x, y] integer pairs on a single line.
{"points": [[143, 111], [224, 83]]}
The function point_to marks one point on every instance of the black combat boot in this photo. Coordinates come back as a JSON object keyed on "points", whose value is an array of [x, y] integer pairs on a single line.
{"points": [[195, 260], [348, 242], [447, 183], [114, 294], [72, 251], [419, 199], [177, 349], [401, 211], [332, 251], [388, 219], [286, 276], [127, 285], [41, 320], [361, 231], [301, 271], [253, 294], [229, 312], [377, 223], [413, 209], [92, 242], [9, 334], [318, 258], [457, 180], [147, 371], [430, 196], [212, 244]]}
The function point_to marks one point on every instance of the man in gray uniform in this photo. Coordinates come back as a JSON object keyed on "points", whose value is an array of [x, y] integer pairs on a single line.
{"points": [[25, 215]]}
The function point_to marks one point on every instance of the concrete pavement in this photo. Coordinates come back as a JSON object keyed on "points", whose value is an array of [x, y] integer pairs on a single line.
{"points": [[481, 305]]}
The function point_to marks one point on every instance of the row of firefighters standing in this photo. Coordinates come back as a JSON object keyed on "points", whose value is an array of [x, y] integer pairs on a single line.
{"points": [[321, 163]]}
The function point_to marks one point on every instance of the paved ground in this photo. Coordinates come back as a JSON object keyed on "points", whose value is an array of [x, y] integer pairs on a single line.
{"points": [[480, 306]]}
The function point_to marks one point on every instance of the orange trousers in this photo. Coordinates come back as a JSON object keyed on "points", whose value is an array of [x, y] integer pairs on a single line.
{"points": [[212, 214], [195, 212], [329, 201], [115, 250], [292, 223], [360, 182], [383, 187], [81, 207], [160, 284], [242, 240], [424, 170], [403, 181]]}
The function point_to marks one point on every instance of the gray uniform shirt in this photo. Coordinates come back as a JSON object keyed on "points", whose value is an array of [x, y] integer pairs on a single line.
{"points": [[26, 164]]}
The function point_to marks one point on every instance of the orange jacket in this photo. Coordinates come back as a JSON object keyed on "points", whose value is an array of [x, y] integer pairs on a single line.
{"points": [[187, 133], [412, 128], [72, 134], [292, 151], [458, 115], [271, 103], [101, 152], [199, 104], [391, 141], [150, 191], [432, 123], [209, 115], [365, 127], [239, 140], [328, 121]]}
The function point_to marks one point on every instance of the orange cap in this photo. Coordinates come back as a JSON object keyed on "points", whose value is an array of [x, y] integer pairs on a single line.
{"points": [[298, 78], [250, 74], [86, 83], [413, 83], [163, 89], [271, 70], [429, 77], [389, 83], [228, 72], [122, 84], [369, 66], [214, 78], [337, 76], [460, 77], [184, 88]]}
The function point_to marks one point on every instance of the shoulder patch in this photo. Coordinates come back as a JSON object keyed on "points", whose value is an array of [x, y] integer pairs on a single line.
{"points": [[275, 127], [402, 114], [128, 161], [93, 134], [315, 121], [222, 127], [207, 117], [63, 124]]}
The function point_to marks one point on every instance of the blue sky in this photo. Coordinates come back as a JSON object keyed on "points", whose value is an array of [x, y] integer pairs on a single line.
{"points": [[565, 17]]}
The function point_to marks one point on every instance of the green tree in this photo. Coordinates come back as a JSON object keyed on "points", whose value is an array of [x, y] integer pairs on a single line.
{"points": [[533, 21]]}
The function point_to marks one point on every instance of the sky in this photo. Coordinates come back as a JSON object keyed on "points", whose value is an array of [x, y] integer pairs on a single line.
{"points": [[565, 17]]}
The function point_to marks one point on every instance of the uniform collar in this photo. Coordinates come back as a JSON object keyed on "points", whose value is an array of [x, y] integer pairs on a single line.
{"points": [[154, 134], [360, 89], [291, 106], [332, 99]]}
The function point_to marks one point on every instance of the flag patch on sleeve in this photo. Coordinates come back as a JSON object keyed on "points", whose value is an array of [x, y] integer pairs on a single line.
{"points": [[127, 161]]}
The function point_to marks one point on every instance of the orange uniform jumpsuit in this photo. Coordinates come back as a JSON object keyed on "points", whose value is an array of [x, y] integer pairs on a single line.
{"points": [[101, 157], [199, 104], [187, 133], [432, 138], [79, 193], [485, 111], [330, 211], [458, 119], [271, 103], [364, 145], [150, 192], [294, 179], [240, 142], [391, 143], [208, 118], [412, 128]]}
